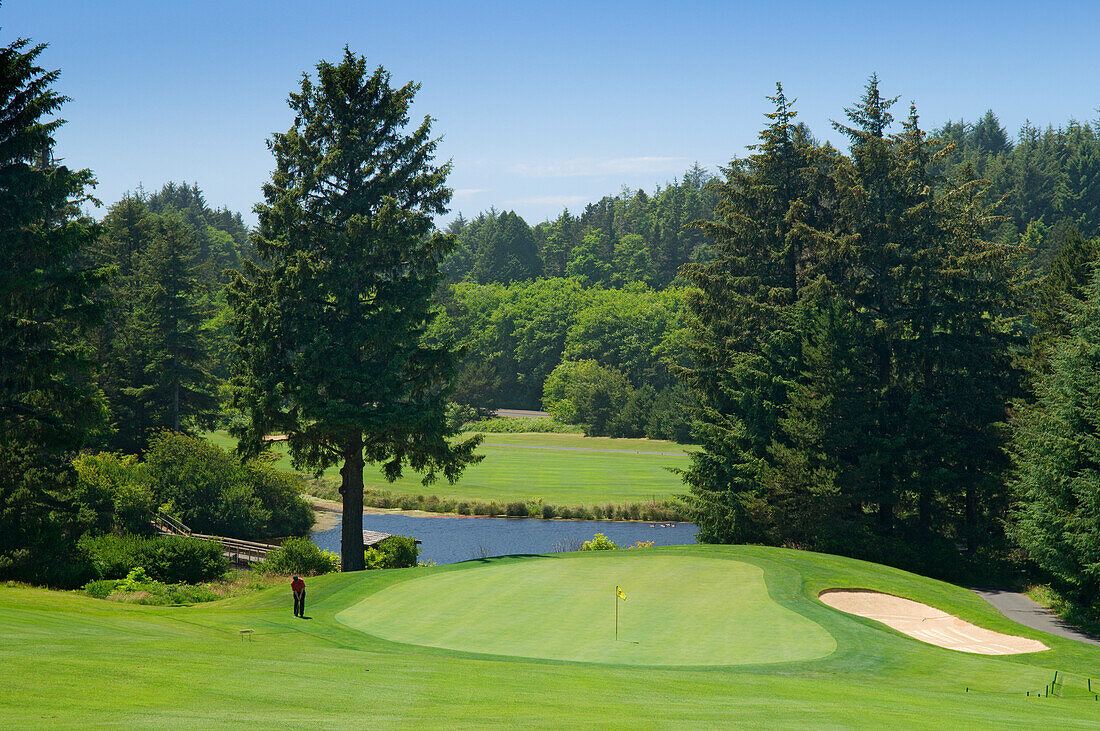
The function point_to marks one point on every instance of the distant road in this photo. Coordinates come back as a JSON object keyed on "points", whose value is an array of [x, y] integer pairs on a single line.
{"points": [[521, 414], [586, 449]]}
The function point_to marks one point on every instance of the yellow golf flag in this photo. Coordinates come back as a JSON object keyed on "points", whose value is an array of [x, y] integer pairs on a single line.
{"points": [[619, 592]]}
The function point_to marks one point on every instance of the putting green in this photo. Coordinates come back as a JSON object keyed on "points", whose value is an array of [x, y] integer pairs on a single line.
{"points": [[680, 610]]}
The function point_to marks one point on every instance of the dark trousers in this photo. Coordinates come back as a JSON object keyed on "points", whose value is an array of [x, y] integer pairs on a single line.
{"points": [[300, 603]]}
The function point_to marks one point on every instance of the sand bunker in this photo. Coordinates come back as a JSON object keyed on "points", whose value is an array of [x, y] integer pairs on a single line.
{"points": [[926, 623]]}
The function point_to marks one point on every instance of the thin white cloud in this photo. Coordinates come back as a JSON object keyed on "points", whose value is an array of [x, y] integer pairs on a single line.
{"points": [[587, 167], [467, 192], [549, 200]]}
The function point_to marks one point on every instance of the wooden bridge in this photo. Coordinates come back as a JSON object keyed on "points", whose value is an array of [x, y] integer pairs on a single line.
{"points": [[240, 552]]}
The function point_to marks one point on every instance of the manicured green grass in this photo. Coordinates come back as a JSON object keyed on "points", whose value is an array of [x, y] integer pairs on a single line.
{"points": [[75, 661], [680, 610], [514, 471]]}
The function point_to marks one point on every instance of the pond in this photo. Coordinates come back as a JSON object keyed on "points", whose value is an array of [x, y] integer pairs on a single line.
{"points": [[450, 540]]}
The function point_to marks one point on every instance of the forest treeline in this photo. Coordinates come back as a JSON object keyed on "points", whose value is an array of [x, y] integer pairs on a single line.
{"points": [[604, 286], [517, 293], [886, 351]]}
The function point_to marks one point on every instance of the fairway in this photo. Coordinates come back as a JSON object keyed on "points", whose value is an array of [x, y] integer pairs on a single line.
{"points": [[680, 610], [510, 641], [562, 469]]}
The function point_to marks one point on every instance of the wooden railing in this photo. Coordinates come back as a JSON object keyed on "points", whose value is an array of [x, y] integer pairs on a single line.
{"points": [[168, 526], [236, 550]]}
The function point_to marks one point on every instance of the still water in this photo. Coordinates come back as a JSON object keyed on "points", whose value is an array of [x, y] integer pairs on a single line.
{"points": [[450, 540]]}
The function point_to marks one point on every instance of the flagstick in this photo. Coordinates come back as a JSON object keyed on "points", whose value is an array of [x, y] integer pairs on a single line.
{"points": [[616, 614]]}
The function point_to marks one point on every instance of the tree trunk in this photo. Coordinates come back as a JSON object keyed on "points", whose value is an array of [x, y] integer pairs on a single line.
{"points": [[351, 488]]}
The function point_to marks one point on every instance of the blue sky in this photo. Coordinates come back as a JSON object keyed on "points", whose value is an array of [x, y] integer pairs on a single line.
{"points": [[540, 105]]}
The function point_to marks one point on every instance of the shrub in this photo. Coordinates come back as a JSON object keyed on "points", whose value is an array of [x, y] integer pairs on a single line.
{"points": [[395, 552], [516, 510], [281, 494], [180, 559], [113, 494], [100, 588], [458, 414], [111, 556], [301, 556], [212, 491], [588, 394], [170, 559], [522, 425], [547, 511], [136, 580], [463, 508], [599, 542]]}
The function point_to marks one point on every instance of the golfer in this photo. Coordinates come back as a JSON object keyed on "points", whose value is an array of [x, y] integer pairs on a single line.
{"points": [[299, 588]]}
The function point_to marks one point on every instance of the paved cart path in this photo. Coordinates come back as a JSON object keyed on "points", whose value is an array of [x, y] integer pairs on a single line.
{"points": [[1019, 608], [585, 449]]}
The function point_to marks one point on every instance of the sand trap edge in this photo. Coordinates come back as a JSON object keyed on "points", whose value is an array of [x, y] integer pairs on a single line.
{"points": [[925, 623]]}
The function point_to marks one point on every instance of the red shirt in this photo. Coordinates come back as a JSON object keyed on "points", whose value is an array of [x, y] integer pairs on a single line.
{"points": [[297, 585]]}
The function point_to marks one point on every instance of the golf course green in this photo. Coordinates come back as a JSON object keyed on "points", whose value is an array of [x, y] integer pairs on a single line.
{"points": [[726, 636], [680, 610]]}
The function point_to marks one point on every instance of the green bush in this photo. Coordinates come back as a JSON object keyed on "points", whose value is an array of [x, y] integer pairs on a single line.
{"points": [[521, 425], [111, 556], [100, 588], [599, 542], [170, 559], [212, 491], [113, 494], [139, 588], [588, 394], [184, 560], [136, 580], [301, 556], [395, 552]]}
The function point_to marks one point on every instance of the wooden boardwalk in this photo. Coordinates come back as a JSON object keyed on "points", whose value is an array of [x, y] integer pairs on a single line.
{"points": [[240, 552]]}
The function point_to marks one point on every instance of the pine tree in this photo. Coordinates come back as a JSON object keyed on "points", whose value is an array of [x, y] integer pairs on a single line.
{"points": [[818, 467], [331, 330], [1056, 454], [744, 351], [1064, 284], [875, 261], [510, 253], [176, 390], [126, 234], [50, 406]]}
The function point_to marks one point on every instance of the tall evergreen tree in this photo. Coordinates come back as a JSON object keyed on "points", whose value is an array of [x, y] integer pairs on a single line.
{"points": [[50, 406], [126, 234], [509, 254], [1056, 455], [743, 343], [176, 390], [332, 327], [877, 260], [1064, 285]]}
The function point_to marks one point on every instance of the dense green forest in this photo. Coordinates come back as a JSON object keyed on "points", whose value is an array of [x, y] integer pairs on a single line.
{"points": [[887, 350]]}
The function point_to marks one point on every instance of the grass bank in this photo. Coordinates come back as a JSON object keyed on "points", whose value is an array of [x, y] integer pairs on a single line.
{"points": [[577, 476], [74, 660]]}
